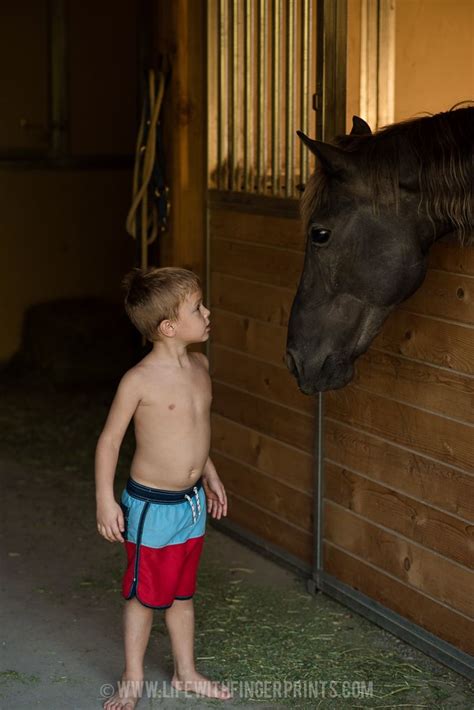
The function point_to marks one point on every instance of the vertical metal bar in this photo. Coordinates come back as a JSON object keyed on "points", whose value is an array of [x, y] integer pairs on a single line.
{"points": [[290, 104], [276, 100], [223, 23], [219, 96], [262, 95], [331, 86], [305, 88], [248, 95], [319, 487], [233, 92], [320, 68]]}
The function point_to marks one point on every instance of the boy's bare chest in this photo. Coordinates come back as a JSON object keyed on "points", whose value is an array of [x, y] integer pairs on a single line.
{"points": [[187, 394]]}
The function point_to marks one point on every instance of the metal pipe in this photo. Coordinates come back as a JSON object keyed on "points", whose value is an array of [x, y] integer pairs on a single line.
{"points": [[276, 99], [306, 20], [262, 94], [222, 153], [290, 118], [248, 122], [234, 101]]}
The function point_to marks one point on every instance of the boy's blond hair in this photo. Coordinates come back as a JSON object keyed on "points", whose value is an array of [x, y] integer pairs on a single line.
{"points": [[155, 294]]}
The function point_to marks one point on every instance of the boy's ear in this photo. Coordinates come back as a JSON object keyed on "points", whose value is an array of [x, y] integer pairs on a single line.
{"points": [[166, 328]]}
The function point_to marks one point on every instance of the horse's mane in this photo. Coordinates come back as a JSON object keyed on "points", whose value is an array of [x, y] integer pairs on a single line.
{"points": [[440, 150]]}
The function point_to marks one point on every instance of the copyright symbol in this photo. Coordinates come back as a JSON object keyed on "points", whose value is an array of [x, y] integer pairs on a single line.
{"points": [[106, 690]]}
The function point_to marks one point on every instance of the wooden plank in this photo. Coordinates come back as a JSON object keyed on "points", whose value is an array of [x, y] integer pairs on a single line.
{"points": [[447, 440], [285, 503], [449, 345], [440, 620], [277, 267], [399, 468], [250, 517], [444, 295], [427, 526], [262, 340], [260, 228], [415, 565], [258, 377], [450, 256], [422, 385], [287, 425], [283, 462], [267, 303]]}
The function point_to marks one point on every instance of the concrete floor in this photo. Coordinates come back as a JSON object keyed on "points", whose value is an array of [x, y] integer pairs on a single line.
{"points": [[61, 606]]}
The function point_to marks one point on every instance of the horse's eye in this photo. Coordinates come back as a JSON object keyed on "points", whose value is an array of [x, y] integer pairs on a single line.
{"points": [[319, 236]]}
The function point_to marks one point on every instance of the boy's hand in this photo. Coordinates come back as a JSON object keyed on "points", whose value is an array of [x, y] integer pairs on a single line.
{"points": [[215, 494], [110, 522]]}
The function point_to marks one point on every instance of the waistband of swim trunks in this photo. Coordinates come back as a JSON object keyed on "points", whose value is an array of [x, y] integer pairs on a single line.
{"points": [[157, 495]]}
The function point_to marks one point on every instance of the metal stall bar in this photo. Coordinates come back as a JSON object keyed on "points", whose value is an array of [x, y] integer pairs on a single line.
{"points": [[262, 59], [233, 94], [248, 122], [290, 99], [222, 94], [306, 21], [276, 99]]}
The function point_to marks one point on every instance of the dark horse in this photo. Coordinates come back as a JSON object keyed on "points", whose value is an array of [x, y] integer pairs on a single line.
{"points": [[371, 211]]}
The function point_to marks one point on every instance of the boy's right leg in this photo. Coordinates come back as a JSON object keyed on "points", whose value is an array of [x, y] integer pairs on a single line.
{"points": [[137, 622]]}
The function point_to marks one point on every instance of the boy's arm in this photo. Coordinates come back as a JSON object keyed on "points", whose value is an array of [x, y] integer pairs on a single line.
{"points": [[215, 491], [213, 486], [110, 521]]}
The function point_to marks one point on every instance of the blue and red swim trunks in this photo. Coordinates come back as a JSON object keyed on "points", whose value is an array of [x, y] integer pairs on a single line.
{"points": [[164, 535]]}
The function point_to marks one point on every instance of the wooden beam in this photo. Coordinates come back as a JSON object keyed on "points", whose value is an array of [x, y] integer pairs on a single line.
{"points": [[181, 36]]}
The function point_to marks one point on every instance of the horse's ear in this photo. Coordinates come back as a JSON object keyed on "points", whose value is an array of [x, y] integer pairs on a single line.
{"points": [[333, 159], [360, 127]]}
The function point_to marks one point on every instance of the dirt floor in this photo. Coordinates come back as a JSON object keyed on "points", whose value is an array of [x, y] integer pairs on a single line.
{"points": [[256, 625]]}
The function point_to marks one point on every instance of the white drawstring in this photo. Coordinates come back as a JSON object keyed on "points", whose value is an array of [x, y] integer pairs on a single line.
{"points": [[197, 500], [195, 517]]}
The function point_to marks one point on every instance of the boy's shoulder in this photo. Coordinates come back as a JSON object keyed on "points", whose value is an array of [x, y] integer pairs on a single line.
{"points": [[201, 357]]}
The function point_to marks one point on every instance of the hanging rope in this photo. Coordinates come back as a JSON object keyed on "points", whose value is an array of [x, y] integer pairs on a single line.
{"points": [[150, 207]]}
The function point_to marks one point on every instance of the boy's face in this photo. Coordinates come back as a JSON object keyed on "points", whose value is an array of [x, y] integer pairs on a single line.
{"points": [[193, 325]]}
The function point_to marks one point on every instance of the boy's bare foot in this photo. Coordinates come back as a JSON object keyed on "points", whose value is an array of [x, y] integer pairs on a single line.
{"points": [[199, 684], [128, 694]]}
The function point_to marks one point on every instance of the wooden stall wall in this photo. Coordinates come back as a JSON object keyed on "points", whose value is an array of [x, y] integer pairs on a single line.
{"points": [[263, 428], [399, 457]]}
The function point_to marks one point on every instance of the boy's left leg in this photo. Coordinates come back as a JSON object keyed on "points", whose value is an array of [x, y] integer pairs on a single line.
{"points": [[179, 620]]}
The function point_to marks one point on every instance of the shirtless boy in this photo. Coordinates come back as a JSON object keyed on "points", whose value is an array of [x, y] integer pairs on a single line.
{"points": [[173, 483]]}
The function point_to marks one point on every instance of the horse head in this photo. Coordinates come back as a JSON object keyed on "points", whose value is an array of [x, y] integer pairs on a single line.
{"points": [[369, 224]]}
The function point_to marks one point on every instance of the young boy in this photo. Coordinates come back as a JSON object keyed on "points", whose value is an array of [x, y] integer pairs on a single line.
{"points": [[162, 514]]}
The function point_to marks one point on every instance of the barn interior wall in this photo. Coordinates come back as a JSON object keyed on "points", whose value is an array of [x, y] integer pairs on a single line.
{"points": [[62, 237], [434, 61], [431, 38], [63, 231]]}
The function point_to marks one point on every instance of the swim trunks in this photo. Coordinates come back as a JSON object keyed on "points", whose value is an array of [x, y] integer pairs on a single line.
{"points": [[164, 535]]}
